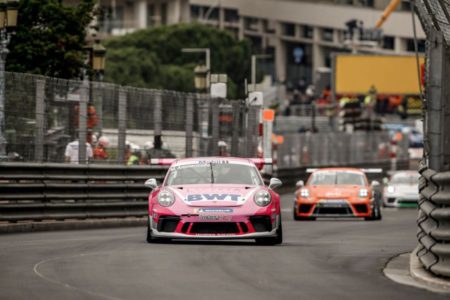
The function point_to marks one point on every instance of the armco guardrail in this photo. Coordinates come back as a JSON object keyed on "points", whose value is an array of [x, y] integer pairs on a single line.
{"points": [[37, 192], [434, 221]]}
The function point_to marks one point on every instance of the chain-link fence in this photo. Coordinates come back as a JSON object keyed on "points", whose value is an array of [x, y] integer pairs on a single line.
{"points": [[46, 118], [337, 149]]}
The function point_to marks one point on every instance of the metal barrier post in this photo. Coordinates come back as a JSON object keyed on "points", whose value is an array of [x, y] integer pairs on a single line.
{"points": [[157, 115], [82, 123], [122, 116], [40, 121], [189, 125], [236, 106], [215, 126]]}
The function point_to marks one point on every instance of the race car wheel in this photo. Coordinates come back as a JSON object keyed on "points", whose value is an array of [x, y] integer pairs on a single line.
{"points": [[376, 213], [278, 239]]}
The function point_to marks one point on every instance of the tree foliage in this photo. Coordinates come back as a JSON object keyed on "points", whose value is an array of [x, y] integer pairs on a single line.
{"points": [[50, 37], [153, 58]]}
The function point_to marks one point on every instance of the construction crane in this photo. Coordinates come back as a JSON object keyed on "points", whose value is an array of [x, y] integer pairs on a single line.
{"points": [[387, 12]]}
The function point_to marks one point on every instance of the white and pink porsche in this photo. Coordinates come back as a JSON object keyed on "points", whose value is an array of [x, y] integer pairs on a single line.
{"points": [[214, 198]]}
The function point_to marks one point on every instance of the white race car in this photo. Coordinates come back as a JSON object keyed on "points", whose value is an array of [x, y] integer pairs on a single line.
{"points": [[402, 190]]}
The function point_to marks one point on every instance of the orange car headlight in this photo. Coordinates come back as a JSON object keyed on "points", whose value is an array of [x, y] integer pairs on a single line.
{"points": [[304, 193], [363, 193]]}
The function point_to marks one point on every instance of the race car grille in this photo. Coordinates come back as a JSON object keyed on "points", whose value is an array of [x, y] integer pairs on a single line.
{"points": [[304, 208], [244, 227], [261, 223], [168, 223], [361, 208], [214, 227], [391, 200]]}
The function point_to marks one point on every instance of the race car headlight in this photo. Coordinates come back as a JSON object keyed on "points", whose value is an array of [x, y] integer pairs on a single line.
{"points": [[262, 198], [304, 193], [391, 189], [166, 198], [363, 193]]}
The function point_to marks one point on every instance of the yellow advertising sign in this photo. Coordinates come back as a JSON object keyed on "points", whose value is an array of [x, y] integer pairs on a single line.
{"points": [[355, 74]]}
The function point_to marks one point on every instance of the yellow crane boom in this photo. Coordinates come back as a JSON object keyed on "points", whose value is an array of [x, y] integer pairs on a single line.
{"points": [[387, 12]]}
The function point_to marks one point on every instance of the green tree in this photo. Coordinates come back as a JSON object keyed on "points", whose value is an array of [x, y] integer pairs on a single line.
{"points": [[153, 58], [50, 37]]}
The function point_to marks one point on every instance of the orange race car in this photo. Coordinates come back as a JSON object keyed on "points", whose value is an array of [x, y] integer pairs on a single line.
{"points": [[336, 192]]}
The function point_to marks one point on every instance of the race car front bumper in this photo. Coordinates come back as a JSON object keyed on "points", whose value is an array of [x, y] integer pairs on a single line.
{"points": [[401, 200], [333, 209], [193, 227]]}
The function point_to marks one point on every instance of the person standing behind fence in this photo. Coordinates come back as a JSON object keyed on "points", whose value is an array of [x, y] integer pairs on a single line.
{"points": [[100, 152], [71, 154]]}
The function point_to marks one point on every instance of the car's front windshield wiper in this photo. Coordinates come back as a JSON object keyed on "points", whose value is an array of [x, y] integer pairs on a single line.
{"points": [[212, 172]]}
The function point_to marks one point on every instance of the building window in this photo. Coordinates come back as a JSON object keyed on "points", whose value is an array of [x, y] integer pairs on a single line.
{"points": [[195, 12], [327, 34], [212, 14], [164, 13], [150, 15], [269, 26], [406, 5], [288, 29], [308, 32], [251, 24], [231, 15], [389, 42], [410, 45], [366, 3]]}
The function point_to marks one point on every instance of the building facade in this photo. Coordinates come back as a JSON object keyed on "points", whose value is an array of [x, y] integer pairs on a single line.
{"points": [[299, 35]]}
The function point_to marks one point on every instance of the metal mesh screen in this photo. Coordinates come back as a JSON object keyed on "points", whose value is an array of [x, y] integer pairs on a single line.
{"points": [[43, 115]]}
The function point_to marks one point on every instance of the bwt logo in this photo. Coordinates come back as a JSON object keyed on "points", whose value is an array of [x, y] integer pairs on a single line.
{"points": [[212, 197]]}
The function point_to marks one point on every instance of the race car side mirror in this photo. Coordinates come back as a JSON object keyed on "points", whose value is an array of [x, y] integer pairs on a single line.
{"points": [[274, 183], [151, 183], [299, 184]]}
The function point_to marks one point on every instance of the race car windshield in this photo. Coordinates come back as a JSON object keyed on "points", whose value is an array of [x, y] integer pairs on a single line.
{"points": [[405, 179], [213, 173], [337, 178]]}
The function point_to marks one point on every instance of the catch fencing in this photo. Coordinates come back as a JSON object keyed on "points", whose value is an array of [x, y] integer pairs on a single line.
{"points": [[434, 204], [43, 114], [337, 149]]}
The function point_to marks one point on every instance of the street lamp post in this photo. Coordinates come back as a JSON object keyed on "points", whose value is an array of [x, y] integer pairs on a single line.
{"points": [[207, 52], [8, 21], [98, 65], [202, 84]]}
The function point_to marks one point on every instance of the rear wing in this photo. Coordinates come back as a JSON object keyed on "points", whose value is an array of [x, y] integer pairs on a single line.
{"points": [[162, 161]]}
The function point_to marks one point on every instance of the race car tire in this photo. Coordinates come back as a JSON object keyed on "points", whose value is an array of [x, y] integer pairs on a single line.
{"points": [[278, 239], [376, 213]]}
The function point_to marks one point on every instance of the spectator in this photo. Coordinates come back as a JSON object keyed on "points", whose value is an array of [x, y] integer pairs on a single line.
{"points": [[223, 149], [135, 158], [159, 150], [71, 154], [100, 151]]}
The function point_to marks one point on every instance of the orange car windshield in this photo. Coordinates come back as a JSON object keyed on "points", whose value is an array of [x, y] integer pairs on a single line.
{"points": [[337, 178]]}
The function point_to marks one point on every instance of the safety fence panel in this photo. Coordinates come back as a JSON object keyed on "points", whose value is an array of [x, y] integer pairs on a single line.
{"points": [[47, 118], [336, 149]]}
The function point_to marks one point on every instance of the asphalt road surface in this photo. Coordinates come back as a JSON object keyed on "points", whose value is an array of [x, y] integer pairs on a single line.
{"points": [[326, 259]]}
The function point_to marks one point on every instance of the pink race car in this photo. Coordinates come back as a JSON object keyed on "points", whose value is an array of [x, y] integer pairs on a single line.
{"points": [[214, 198]]}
